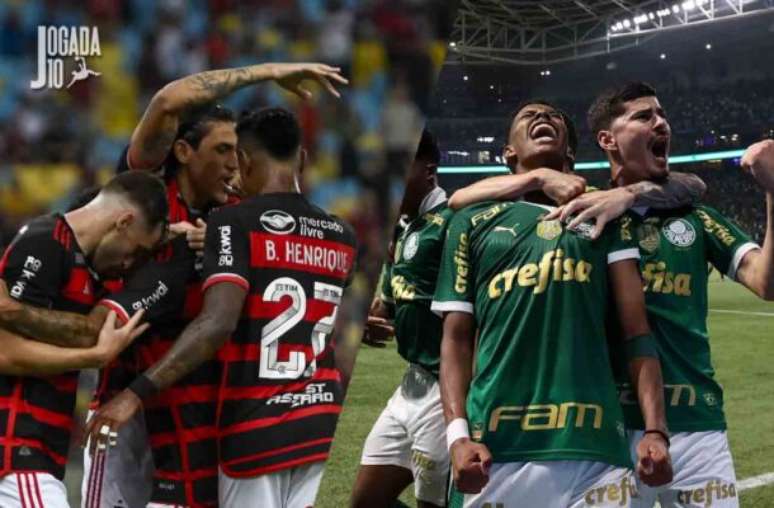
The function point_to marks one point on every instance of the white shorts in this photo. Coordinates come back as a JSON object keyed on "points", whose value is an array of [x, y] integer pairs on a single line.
{"points": [[120, 476], [410, 433], [290, 488], [555, 484], [703, 472], [32, 490]]}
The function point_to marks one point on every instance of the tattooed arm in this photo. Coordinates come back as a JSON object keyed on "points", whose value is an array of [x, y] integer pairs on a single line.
{"points": [[154, 135], [20, 356], [680, 189], [202, 338], [199, 342], [58, 328]]}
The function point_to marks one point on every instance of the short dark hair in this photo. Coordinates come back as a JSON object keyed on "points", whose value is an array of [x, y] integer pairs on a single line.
{"points": [[572, 133], [609, 104], [428, 150], [145, 191], [195, 124], [275, 130]]}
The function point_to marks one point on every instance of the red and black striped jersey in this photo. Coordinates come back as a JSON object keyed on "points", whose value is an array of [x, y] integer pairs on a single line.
{"points": [[43, 266], [281, 392], [181, 420]]}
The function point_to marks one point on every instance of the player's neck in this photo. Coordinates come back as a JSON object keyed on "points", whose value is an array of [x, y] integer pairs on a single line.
{"points": [[188, 191], [88, 225], [280, 179]]}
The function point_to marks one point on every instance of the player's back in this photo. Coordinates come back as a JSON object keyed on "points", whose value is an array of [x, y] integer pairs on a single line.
{"points": [[281, 392]]}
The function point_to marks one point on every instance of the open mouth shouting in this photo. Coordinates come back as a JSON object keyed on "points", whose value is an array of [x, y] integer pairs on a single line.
{"points": [[543, 130], [660, 149]]}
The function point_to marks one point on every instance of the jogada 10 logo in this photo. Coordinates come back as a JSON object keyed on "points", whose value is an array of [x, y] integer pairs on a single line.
{"points": [[58, 44]]}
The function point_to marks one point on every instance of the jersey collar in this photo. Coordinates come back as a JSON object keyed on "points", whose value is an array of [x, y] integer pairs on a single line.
{"points": [[434, 198]]}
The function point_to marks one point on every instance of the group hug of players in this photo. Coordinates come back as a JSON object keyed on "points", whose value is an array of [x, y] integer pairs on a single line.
{"points": [[204, 250], [557, 337]]}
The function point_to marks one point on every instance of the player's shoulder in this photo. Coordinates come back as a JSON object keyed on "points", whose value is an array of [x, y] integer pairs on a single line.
{"points": [[49, 229], [479, 213]]}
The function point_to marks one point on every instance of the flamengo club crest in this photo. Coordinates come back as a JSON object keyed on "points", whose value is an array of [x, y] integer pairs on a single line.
{"points": [[57, 44]]}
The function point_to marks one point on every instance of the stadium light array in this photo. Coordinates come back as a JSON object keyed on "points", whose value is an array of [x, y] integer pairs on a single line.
{"points": [[587, 166]]}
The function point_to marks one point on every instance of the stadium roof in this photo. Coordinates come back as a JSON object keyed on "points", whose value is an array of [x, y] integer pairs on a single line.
{"points": [[539, 33]]}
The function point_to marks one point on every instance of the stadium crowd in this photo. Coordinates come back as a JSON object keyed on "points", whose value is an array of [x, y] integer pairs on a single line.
{"points": [[53, 145]]}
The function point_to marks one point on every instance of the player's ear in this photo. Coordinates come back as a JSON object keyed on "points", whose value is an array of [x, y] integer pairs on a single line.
{"points": [[182, 151], [244, 161], [124, 220], [509, 156], [302, 161], [606, 141]]}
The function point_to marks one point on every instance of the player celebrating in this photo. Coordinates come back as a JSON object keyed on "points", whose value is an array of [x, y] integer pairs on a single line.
{"points": [[193, 143], [542, 403], [280, 264], [55, 262], [631, 127], [407, 441]]}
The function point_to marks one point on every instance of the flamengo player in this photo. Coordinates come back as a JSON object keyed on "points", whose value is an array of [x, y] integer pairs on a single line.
{"points": [[275, 268], [55, 262], [192, 142]]}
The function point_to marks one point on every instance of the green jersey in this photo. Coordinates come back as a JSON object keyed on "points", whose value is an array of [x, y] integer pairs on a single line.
{"points": [[676, 247], [410, 284], [543, 388]]}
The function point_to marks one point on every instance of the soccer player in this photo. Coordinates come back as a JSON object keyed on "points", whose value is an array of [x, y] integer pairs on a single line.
{"points": [[547, 429], [676, 245], [56, 262], [275, 267], [406, 443], [192, 142]]}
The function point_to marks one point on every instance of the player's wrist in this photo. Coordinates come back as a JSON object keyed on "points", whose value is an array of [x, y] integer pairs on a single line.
{"points": [[658, 433], [143, 387], [456, 430]]}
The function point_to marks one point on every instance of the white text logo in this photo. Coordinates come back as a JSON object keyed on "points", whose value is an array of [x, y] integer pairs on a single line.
{"points": [[58, 43]]}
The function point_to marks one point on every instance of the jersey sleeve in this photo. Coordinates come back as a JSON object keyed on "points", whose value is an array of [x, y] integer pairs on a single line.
{"points": [[621, 242], [454, 288], [159, 286], [122, 165], [226, 250], [33, 267], [384, 287], [726, 243]]}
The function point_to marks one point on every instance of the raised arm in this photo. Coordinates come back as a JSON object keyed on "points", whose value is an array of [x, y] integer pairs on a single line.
{"points": [[24, 357], [561, 187], [756, 269], [58, 328], [653, 466], [154, 135]]}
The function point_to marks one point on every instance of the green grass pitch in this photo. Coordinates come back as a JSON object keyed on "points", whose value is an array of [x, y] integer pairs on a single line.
{"points": [[742, 348]]}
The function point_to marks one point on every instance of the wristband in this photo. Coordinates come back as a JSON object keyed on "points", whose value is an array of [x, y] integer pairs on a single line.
{"points": [[143, 387], [660, 433], [641, 345], [457, 429]]}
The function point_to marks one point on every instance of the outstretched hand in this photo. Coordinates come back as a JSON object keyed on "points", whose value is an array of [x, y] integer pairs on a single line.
{"points": [[292, 76]]}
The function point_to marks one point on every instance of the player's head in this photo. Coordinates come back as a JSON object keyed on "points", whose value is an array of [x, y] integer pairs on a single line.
{"points": [[269, 150], [422, 175], [204, 151], [133, 206], [540, 135], [630, 125]]}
